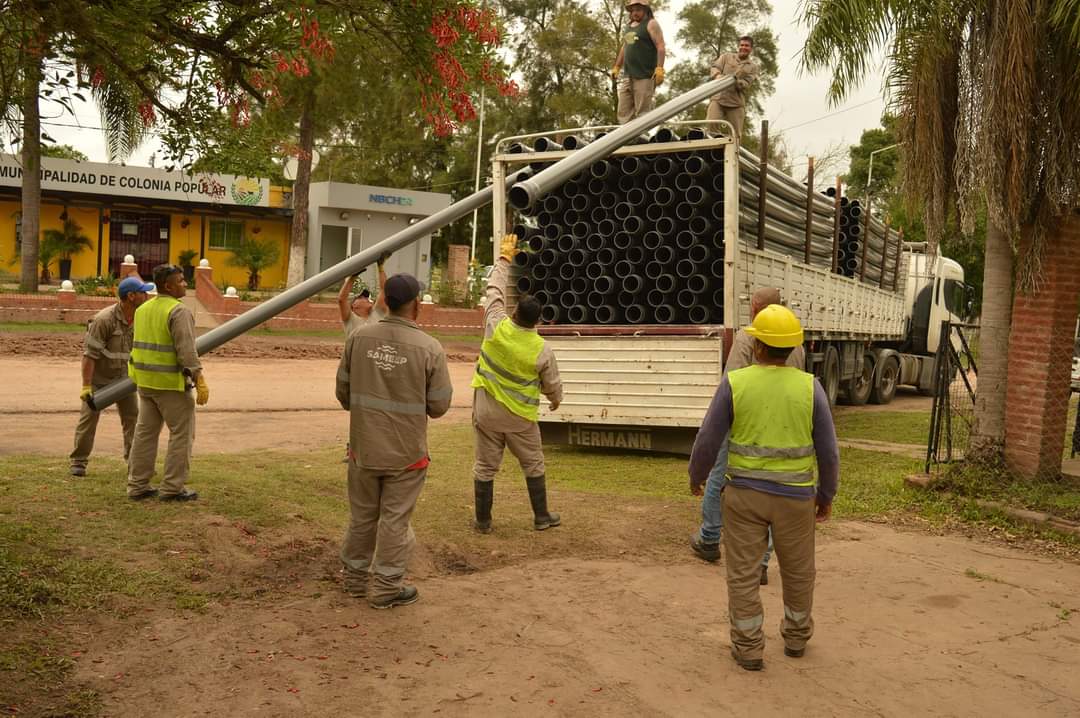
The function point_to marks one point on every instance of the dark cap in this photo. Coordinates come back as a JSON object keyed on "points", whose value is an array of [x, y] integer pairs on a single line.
{"points": [[362, 294], [401, 289]]}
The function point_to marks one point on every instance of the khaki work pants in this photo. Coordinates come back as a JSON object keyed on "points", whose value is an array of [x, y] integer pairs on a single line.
{"points": [[735, 115], [748, 514], [157, 407], [497, 429], [380, 539], [635, 98], [86, 429]]}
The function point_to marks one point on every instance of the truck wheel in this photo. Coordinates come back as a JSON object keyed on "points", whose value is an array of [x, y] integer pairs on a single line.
{"points": [[830, 374], [857, 389], [884, 388]]}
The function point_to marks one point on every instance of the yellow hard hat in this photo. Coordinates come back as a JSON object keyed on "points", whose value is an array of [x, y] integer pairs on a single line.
{"points": [[776, 326]]}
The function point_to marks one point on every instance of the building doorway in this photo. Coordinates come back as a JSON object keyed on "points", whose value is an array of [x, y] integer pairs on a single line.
{"points": [[143, 236]]}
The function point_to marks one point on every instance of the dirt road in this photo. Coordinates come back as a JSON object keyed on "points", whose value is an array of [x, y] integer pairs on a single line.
{"points": [[906, 624], [254, 404]]}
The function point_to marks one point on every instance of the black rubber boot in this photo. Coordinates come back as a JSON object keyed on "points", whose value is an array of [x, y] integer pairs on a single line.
{"points": [[484, 492], [542, 518]]}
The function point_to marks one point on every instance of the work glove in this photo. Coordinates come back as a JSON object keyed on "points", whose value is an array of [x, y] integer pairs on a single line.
{"points": [[382, 259], [615, 73], [658, 76], [86, 393], [508, 248], [202, 391]]}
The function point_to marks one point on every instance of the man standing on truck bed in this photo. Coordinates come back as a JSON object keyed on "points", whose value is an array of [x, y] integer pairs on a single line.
{"points": [[706, 541], [780, 421], [730, 103], [514, 368], [642, 52]]}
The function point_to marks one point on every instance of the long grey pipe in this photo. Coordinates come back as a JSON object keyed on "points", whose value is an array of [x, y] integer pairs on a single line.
{"points": [[524, 194], [313, 285]]}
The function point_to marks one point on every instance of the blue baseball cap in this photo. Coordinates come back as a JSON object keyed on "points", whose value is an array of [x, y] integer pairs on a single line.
{"points": [[133, 284]]}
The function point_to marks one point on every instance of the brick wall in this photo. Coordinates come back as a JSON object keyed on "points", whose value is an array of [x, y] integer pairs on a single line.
{"points": [[1040, 358], [66, 307], [323, 315], [457, 264]]}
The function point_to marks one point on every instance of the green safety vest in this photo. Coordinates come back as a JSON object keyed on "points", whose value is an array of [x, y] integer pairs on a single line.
{"points": [[153, 362], [640, 55], [772, 435], [506, 369]]}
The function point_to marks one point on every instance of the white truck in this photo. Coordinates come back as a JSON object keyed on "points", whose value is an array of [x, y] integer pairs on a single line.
{"points": [[648, 386]]}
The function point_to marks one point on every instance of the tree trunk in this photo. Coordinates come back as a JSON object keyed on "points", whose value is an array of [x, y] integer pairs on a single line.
{"points": [[31, 179], [988, 434], [298, 238]]}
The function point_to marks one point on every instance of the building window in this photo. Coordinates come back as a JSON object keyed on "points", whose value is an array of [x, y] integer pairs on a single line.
{"points": [[226, 233]]}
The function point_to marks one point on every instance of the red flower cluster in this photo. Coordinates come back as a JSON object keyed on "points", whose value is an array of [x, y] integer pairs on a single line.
{"points": [[146, 112], [448, 94], [98, 78]]}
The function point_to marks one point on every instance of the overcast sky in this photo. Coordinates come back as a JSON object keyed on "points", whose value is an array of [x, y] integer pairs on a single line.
{"points": [[798, 108]]}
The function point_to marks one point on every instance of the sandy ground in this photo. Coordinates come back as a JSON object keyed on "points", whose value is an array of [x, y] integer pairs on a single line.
{"points": [[906, 624], [254, 403]]}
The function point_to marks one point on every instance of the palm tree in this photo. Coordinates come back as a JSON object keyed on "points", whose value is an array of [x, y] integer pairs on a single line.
{"points": [[255, 256], [986, 93], [66, 243]]}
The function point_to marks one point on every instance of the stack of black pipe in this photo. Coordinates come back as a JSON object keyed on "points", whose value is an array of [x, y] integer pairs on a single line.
{"points": [[636, 239], [849, 252]]}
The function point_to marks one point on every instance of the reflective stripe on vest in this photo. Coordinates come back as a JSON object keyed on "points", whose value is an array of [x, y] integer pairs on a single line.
{"points": [[506, 369], [772, 434], [153, 362]]}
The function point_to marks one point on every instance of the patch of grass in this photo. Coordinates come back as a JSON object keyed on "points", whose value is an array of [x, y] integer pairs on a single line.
{"points": [[896, 427], [72, 549], [978, 576], [43, 327], [992, 481]]}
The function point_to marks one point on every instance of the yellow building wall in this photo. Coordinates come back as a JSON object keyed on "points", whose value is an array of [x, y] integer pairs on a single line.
{"points": [[272, 229], [181, 237], [8, 211], [83, 264]]}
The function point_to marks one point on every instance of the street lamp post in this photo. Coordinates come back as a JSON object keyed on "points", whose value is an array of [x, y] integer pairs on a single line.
{"points": [[870, 171]]}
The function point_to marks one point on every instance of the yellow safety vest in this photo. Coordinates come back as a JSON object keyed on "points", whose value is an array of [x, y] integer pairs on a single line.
{"points": [[772, 435], [153, 362], [506, 369]]}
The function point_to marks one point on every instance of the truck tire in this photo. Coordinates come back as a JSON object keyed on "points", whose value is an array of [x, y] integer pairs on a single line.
{"points": [[830, 374], [884, 387], [858, 388]]}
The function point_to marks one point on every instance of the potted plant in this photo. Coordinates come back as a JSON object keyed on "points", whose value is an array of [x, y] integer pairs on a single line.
{"points": [[48, 251], [66, 243], [255, 255], [185, 259]]}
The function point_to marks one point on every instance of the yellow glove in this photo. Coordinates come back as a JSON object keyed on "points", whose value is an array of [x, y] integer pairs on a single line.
{"points": [[508, 248], [658, 76], [615, 73], [202, 391], [86, 393]]}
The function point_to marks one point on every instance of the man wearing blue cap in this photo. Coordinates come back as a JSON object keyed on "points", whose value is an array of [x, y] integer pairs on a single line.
{"points": [[105, 357]]}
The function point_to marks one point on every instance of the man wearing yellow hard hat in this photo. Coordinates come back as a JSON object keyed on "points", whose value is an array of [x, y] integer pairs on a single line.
{"points": [[779, 422]]}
